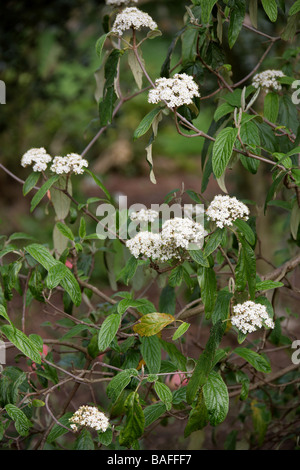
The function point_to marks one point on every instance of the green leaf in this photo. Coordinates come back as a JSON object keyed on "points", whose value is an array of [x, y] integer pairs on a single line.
{"points": [[129, 270], [256, 360], [106, 437], [55, 275], [213, 242], [253, 12], [61, 202], [167, 300], [41, 255], [30, 182], [100, 43], [176, 276], [3, 313], [181, 330], [247, 264], [164, 394], [206, 9], [198, 417], [271, 106], [42, 191], [65, 230], [146, 123], [82, 228], [208, 285], [69, 283], [205, 361], [267, 285], [135, 421], [245, 230], [22, 342], [20, 236], [57, 430], [294, 8], [135, 67], [216, 398], [119, 382], [237, 15], [199, 257], [153, 412], [84, 441], [22, 423], [270, 7], [221, 310], [108, 331], [222, 150], [176, 356], [100, 184], [151, 352], [153, 323]]}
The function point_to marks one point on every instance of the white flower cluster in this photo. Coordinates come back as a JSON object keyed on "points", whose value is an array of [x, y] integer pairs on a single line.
{"points": [[120, 2], [71, 163], [152, 246], [144, 215], [182, 232], [134, 18], [90, 417], [38, 156], [225, 209], [249, 316], [268, 80], [177, 234], [175, 91]]}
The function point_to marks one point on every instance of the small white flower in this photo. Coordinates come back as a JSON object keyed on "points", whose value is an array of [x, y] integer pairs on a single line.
{"points": [[134, 18], [249, 317], [175, 91], [144, 215], [37, 156], [223, 210], [120, 2], [268, 80], [71, 163], [90, 417]]}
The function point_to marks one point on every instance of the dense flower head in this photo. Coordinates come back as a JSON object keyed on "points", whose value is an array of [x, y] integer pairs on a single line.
{"points": [[175, 91], [174, 239], [144, 215], [249, 316], [120, 2], [134, 18], [268, 80], [37, 156], [181, 232], [223, 210], [71, 163], [90, 417]]}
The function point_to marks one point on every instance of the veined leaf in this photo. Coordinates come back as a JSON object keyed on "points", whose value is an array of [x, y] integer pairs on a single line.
{"points": [[153, 323], [222, 150], [108, 331], [22, 342], [135, 420], [216, 398], [255, 359]]}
